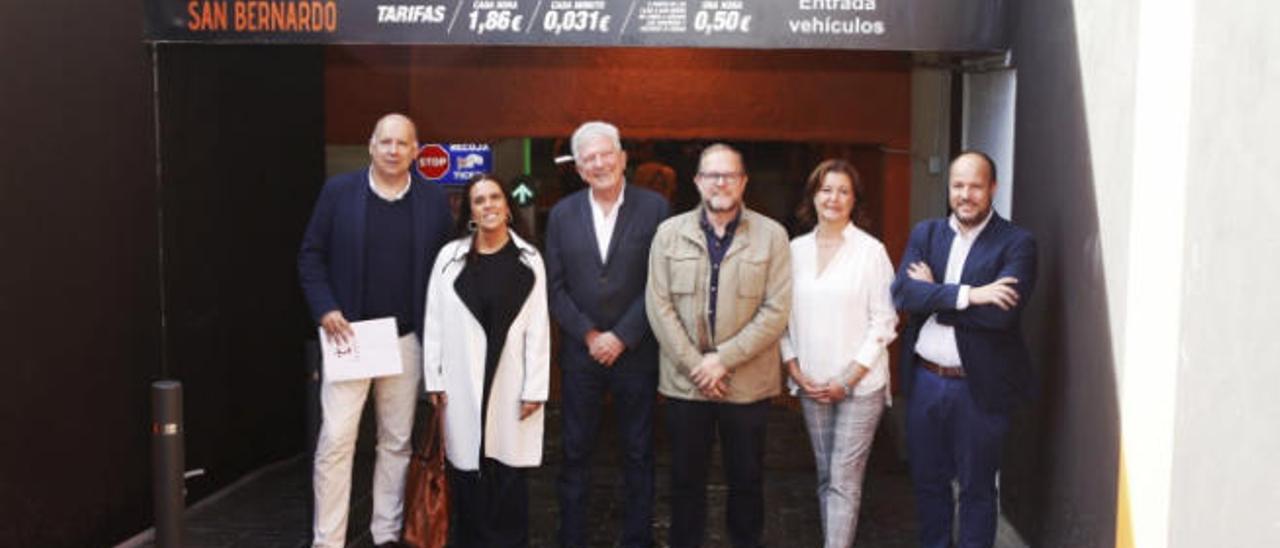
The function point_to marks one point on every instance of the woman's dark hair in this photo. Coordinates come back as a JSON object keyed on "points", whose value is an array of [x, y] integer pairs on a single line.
{"points": [[806, 214], [462, 227]]}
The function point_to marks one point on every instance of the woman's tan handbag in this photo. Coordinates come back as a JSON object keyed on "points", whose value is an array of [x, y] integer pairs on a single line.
{"points": [[426, 492]]}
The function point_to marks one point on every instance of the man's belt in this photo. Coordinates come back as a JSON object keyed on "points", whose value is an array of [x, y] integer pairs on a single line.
{"points": [[944, 372]]}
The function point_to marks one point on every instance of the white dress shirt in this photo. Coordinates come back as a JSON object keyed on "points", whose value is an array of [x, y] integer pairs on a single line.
{"points": [[843, 315], [937, 342], [389, 197], [604, 223]]}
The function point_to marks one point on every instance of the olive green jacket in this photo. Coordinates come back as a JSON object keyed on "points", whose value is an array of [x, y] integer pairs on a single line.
{"points": [[752, 305]]}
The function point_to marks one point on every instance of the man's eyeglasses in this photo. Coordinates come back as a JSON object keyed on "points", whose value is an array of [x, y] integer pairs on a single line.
{"points": [[717, 177]]}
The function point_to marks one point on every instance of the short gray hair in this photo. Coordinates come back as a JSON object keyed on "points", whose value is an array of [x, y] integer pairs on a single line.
{"points": [[592, 129]]}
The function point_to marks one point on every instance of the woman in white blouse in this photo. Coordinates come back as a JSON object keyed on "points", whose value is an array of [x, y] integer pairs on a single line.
{"points": [[835, 348]]}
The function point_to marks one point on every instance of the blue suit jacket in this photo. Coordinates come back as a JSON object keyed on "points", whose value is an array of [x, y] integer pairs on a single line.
{"points": [[331, 260], [995, 358], [585, 293]]}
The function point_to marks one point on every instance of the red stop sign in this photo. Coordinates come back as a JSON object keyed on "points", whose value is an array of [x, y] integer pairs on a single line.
{"points": [[433, 162]]}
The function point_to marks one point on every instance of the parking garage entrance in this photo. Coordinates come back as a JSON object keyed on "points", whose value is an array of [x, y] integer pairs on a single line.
{"points": [[256, 102]]}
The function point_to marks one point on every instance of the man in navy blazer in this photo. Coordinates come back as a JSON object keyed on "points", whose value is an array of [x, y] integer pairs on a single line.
{"points": [[367, 253], [964, 281], [597, 262]]}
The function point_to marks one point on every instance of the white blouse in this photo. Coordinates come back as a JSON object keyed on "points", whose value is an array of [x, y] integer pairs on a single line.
{"points": [[843, 315]]}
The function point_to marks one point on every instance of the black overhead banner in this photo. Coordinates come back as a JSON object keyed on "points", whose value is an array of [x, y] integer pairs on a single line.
{"points": [[931, 25]]}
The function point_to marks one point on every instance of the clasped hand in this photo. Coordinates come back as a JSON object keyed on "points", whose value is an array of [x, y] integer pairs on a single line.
{"points": [[825, 392], [710, 377], [604, 347]]}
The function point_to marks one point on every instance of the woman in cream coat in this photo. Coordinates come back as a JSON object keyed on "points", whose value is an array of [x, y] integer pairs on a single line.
{"points": [[486, 361], [842, 321]]}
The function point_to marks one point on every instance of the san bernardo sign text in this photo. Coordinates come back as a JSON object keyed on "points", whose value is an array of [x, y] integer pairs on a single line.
{"points": [[909, 25]]}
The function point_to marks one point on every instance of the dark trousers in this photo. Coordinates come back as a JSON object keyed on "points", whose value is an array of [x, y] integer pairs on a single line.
{"points": [[950, 437], [490, 506], [633, 385], [693, 425]]}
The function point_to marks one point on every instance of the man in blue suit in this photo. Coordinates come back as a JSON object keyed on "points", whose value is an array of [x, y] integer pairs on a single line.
{"points": [[597, 262], [367, 253], [964, 281]]}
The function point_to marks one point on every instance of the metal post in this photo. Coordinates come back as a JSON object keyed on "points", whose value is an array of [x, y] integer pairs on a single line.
{"points": [[167, 462], [311, 351]]}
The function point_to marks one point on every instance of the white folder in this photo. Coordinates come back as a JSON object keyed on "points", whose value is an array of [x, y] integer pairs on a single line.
{"points": [[373, 352]]}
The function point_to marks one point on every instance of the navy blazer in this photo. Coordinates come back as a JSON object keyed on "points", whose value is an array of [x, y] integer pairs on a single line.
{"points": [[996, 362], [331, 260], [585, 293]]}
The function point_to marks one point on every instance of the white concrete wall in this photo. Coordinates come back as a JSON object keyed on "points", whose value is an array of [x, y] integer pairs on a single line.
{"points": [[1106, 43], [1225, 490], [1073, 152], [1149, 170]]}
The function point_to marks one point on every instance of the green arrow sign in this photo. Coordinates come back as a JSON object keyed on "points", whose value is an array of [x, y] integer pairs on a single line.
{"points": [[523, 195]]}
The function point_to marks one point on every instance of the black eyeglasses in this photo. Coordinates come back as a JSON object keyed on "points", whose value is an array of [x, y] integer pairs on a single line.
{"points": [[716, 177]]}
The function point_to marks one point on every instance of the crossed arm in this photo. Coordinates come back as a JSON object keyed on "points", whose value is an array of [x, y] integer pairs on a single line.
{"points": [[995, 305]]}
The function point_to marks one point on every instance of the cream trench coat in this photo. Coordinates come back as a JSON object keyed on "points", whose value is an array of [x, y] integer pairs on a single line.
{"points": [[453, 352]]}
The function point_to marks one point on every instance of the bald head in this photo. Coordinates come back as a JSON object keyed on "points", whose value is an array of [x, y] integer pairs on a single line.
{"points": [[392, 148], [971, 186], [396, 119], [722, 148], [979, 160], [721, 179]]}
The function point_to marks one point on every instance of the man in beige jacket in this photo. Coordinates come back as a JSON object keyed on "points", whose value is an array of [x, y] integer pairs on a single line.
{"points": [[718, 299]]}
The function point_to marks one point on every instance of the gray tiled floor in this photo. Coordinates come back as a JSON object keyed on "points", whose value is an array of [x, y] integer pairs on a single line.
{"points": [[272, 508]]}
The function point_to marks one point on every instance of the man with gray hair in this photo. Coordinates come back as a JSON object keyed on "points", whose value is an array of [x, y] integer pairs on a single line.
{"points": [[367, 253], [597, 252]]}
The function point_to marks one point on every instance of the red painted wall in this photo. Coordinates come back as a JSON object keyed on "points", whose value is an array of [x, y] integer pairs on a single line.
{"points": [[487, 93], [495, 92]]}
